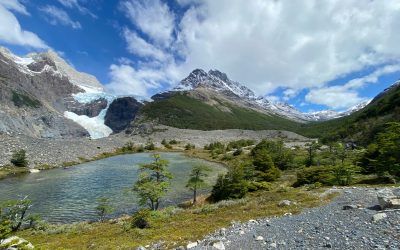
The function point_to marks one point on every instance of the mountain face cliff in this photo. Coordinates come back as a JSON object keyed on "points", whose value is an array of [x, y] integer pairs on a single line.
{"points": [[37, 91]]}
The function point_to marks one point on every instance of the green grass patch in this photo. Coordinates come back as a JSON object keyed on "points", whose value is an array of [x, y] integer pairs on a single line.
{"points": [[21, 100]]}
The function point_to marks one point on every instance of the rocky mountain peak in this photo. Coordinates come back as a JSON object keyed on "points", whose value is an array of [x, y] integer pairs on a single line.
{"points": [[219, 75]]}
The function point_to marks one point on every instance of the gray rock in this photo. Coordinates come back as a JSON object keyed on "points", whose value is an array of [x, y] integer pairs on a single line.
{"points": [[191, 245], [387, 198], [259, 238], [15, 243], [285, 203], [219, 245], [379, 216], [349, 207]]}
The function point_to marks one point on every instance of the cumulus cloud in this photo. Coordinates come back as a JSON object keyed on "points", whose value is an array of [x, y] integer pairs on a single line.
{"points": [[74, 4], [125, 79], [153, 18], [271, 44], [140, 47], [57, 16], [346, 95], [11, 31]]}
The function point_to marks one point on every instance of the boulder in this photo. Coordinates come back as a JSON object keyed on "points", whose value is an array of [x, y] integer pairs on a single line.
{"points": [[379, 216], [219, 245], [388, 198], [284, 203], [121, 112], [15, 243], [191, 245]]}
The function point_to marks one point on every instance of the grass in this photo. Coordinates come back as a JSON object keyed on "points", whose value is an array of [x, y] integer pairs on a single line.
{"points": [[10, 170], [21, 100], [173, 227]]}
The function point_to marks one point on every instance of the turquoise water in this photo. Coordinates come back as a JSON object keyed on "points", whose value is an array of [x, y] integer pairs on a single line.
{"points": [[69, 195]]}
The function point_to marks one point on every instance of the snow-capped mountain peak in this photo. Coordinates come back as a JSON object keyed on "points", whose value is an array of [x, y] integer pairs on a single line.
{"points": [[220, 82]]}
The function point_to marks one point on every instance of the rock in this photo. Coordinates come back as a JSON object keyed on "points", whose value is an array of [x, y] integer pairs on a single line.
{"points": [[259, 238], [241, 232], [253, 221], [141, 248], [379, 216], [180, 248], [191, 245], [34, 170], [121, 113], [222, 231], [218, 245], [15, 243], [273, 245], [328, 245], [388, 199], [349, 207], [284, 203]]}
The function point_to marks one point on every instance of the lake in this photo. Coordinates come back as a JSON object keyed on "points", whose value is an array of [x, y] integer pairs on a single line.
{"points": [[69, 195]]}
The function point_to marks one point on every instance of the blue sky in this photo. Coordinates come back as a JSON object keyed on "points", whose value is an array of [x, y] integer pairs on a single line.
{"points": [[312, 54]]}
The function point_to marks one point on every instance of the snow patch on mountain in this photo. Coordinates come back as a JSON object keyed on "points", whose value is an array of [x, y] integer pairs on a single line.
{"points": [[220, 82]]}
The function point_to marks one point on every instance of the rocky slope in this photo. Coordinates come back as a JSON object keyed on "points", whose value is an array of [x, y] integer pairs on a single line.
{"points": [[351, 221], [43, 96]]}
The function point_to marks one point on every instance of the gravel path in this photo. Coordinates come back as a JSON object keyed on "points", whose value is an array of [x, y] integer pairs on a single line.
{"points": [[325, 227]]}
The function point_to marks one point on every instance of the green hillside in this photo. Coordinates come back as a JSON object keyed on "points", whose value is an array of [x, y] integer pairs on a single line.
{"points": [[183, 111], [361, 126]]}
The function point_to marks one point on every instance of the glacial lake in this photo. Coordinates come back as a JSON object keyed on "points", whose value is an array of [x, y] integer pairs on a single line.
{"points": [[69, 195]]}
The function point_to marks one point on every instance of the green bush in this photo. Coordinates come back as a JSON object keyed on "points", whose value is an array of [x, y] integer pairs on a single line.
{"points": [[150, 146], [140, 219], [282, 157], [239, 144], [173, 142], [18, 158], [255, 186], [238, 152], [189, 146], [231, 186], [311, 175]]}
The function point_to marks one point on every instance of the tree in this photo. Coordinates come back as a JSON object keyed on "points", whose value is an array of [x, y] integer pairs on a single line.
{"points": [[18, 158], [196, 180], [311, 149], [153, 183], [281, 156], [383, 155], [232, 185], [103, 208], [13, 214], [265, 169]]}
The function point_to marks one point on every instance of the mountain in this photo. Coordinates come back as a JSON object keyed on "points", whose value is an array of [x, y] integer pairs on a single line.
{"points": [[217, 81], [364, 124], [41, 95]]}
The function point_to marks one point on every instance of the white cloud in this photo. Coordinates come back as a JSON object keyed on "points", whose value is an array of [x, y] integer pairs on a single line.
{"points": [[153, 18], [271, 44], [138, 46], [127, 80], [335, 97], [14, 5], [57, 16], [346, 95], [75, 4], [11, 31]]}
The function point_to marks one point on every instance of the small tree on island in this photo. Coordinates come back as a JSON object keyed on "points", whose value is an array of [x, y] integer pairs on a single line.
{"points": [[196, 180], [153, 183], [103, 208]]}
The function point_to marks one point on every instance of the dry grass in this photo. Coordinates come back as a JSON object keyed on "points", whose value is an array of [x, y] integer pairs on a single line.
{"points": [[173, 226]]}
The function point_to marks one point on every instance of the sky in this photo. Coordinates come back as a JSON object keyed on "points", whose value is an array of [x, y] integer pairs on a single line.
{"points": [[312, 54]]}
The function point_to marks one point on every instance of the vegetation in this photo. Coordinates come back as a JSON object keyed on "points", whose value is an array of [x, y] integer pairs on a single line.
{"points": [[103, 207], [21, 100], [383, 155], [153, 182], [13, 214], [18, 158], [182, 111], [196, 180]]}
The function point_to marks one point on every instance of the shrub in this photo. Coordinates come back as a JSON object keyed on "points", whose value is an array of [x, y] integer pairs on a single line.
{"points": [[262, 185], [282, 157], [140, 219], [238, 152], [173, 142], [215, 146], [311, 175], [239, 144], [150, 146], [140, 149], [189, 146], [18, 158], [231, 186]]}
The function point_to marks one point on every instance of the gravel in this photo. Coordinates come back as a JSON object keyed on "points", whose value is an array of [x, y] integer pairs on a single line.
{"points": [[329, 226], [55, 151]]}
